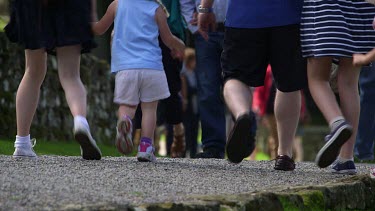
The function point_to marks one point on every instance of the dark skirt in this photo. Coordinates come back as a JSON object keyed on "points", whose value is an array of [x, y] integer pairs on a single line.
{"points": [[49, 24]]}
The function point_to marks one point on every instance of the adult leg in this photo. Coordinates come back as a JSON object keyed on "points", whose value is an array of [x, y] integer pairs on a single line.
{"points": [[27, 100], [318, 74], [364, 146], [68, 62], [28, 91], [211, 106], [240, 142], [287, 109]]}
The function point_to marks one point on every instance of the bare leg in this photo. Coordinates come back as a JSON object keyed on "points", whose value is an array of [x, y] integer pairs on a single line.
{"points": [[126, 110], [287, 109], [238, 97], [148, 119], [348, 77], [318, 70], [69, 73], [28, 91], [240, 141]]}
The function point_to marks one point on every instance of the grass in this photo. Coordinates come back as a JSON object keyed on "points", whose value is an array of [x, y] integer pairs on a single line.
{"points": [[57, 148], [3, 21]]}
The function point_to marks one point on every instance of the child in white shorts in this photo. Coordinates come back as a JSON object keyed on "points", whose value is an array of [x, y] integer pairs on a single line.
{"points": [[137, 63]]}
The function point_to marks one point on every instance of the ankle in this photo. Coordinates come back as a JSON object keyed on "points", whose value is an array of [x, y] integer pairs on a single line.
{"points": [[146, 140], [22, 142], [81, 120]]}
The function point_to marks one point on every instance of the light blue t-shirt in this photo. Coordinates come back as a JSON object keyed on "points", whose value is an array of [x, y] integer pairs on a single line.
{"points": [[135, 42], [263, 13]]}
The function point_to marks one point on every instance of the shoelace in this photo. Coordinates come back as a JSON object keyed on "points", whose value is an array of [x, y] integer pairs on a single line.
{"points": [[33, 142]]}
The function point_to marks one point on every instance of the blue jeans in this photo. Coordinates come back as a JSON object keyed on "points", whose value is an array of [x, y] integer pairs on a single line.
{"points": [[364, 147], [210, 103]]}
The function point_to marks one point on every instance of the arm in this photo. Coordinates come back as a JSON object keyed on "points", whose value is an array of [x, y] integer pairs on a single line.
{"points": [[363, 59], [171, 41], [206, 21], [94, 14], [184, 92], [102, 26], [187, 8]]}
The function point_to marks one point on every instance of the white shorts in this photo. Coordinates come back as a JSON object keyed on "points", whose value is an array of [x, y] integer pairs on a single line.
{"points": [[140, 85]]}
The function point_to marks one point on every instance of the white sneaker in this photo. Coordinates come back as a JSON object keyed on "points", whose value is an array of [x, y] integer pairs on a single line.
{"points": [[25, 152], [124, 142], [372, 173], [146, 152], [89, 149]]}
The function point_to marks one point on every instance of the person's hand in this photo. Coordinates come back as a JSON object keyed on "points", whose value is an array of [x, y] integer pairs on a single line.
{"points": [[178, 54], [359, 60], [194, 20], [206, 23]]}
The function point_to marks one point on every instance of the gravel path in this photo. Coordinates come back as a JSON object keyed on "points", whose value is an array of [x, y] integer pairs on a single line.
{"points": [[53, 182]]}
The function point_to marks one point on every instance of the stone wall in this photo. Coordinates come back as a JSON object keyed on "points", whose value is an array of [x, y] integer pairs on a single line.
{"points": [[53, 120]]}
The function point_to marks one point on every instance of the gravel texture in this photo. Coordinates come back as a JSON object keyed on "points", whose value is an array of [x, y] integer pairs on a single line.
{"points": [[55, 182]]}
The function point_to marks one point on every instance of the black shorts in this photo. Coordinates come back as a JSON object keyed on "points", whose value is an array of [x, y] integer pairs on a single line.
{"points": [[247, 53], [37, 24]]}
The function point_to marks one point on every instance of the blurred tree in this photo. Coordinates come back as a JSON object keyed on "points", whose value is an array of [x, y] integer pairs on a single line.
{"points": [[103, 50]]}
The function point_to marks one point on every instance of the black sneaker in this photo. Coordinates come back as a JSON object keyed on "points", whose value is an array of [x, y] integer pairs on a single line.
{"points": [[329, 152], [284, 163], [210, 153], [241, 140]]}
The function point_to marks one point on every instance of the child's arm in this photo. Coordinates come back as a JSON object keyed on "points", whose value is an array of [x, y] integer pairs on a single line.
{"points": [[171, 41], [363, 59], [102, 26], [94, 14]]}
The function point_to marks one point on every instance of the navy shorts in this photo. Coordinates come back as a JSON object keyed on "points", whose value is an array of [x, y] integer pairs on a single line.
{"points": [[247, 53], [37, 24]]}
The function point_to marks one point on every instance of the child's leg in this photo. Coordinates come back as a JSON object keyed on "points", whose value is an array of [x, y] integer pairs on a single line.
{"points": [[146, 150], [124, 140], [68, 62], [348, 76], [148, 119], [126, 110], [27, 100]]}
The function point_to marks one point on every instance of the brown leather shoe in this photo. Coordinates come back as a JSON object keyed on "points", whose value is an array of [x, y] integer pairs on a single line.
{"points": [[284, 163]]}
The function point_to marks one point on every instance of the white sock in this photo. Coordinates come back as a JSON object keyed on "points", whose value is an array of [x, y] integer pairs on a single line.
{"points": [[343, 160], [22, 142], [336, 122], [81, 120]]}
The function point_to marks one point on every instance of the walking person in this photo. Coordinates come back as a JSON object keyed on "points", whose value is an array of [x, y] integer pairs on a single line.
{"points": [[208, 47], [62, 28], [137, 63], [190, 108], [170, 109], [259, 33], [337, 35]]}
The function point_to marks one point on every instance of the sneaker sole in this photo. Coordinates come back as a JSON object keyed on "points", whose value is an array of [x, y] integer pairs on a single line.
{"points": [[240, 142], [121, 138], [25, 157], [347, 172], [145, 157], [329, 152], [90, 150]]}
